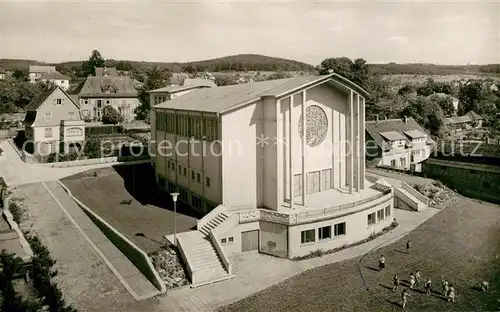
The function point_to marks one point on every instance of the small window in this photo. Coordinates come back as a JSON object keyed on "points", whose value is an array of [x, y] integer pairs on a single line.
{"points": [[173, 166], [340, 229], [380, 214], [185, 172], [388, 211], [48, 116], [325, 232], [86, 102], [62, 81], [223, 240], [192, 175], [198, 178], [71, 115], [48, 132], [59, 101], [168, 165], [180, 169], [308, 236], [393, 163], [207, 181], [107, 101], [371, 218], [230, 239]]}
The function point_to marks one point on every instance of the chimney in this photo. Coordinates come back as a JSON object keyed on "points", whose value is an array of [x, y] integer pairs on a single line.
{"points": [[406, 120]]}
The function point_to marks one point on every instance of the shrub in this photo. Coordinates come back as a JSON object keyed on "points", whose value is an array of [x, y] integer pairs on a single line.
{"points": [[111, 115]]}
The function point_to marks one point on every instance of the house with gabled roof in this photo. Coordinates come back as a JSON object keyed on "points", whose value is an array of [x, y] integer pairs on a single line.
{"points": [[37, 71], [56, 78], [397, 143], [53, 123], [98, 92], [268, 164], [467, 121]]}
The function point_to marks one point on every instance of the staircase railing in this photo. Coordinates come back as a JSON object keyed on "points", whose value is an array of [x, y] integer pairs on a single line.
{"points": [[220, 252], [421, 197], [210, 216]]}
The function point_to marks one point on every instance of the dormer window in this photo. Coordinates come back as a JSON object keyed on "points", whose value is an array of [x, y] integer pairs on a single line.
{"points": [[59, 101]]}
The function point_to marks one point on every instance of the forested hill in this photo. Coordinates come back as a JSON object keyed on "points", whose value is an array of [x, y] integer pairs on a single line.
{"points": [[434, 69], [240, 62]]}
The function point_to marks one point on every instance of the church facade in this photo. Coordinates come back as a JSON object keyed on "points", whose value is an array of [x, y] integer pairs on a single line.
{"points": [[277, 166]]}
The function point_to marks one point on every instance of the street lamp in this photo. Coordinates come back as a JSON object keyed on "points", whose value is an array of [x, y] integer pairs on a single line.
{"points": [[174, 197]]}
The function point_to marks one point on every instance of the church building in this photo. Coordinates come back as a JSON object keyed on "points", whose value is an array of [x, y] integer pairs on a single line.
{"points": [[277, 167]]}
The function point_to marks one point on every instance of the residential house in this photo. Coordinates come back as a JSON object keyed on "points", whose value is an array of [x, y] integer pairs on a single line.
{"points": [[106, 71], [397, 143], [171, 92], [37, 71], [3, 74], [287, 200], [206, 76], [53, 123], [56, 78], [98, 92], [468, 121]]}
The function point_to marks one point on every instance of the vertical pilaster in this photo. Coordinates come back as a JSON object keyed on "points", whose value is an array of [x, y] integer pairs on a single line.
{"points": [[279, 156], [357, 142], [303, 148], [363, 143], [290, 152], [351, 141]]}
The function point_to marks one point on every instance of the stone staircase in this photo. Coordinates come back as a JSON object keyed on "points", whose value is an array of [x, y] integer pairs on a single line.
{"points": [[213, 223], [203, 261], [407, 200]]}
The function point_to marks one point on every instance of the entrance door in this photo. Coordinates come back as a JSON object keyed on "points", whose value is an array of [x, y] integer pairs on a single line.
{"points": [[250, 240]]}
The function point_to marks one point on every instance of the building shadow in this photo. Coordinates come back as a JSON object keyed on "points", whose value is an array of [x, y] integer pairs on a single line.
{"points": [[387, 286], [372, 268], [395, 303], [400, 251], [139, 181]]}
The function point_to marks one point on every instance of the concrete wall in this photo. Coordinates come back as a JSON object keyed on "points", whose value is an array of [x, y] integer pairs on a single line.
{"points": [[357, 229], [472, 180], [239, 160], [233, 248]]}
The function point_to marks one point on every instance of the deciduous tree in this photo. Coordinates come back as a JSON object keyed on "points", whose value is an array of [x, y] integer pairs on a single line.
{"points": [[110, 115]]}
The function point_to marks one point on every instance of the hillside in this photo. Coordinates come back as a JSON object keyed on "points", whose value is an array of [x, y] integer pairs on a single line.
{"points": [[240, 62], [433, 69]]}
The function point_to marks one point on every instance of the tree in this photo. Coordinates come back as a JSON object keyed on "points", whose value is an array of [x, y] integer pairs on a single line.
{"points": [[360, 72], [405, 90], [19, 75], [156, 78], [446, 103], [425, 112], [111, 116], [470, 95], [95, 60]]}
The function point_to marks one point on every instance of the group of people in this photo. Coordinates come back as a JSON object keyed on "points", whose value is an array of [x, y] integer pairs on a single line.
{"points": [[415, 282]]}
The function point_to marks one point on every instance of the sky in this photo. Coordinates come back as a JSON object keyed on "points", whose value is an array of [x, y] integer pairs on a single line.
{"points": [[379, 32]]}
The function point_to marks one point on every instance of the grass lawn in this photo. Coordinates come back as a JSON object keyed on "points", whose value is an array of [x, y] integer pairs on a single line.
{"points": [[150, 209], [461, 244]]}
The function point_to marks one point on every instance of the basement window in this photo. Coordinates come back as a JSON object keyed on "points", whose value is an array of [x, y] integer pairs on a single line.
{"points": [[308, 236], [230, 239], [325, 232], [372, 218], [223, 240]]}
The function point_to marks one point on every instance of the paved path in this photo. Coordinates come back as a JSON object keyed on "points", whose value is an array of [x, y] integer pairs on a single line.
{"points": [[16, 172], [85, 276], [255, 271]]}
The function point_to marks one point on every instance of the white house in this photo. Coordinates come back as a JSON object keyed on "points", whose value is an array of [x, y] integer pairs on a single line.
{"points": [[37, 71], [397, 143], [98, 92], [277, 166], [53, 123], [56, 78]]}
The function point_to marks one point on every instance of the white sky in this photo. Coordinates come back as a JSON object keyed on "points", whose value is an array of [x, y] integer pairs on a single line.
{"points": [[396, 31]]}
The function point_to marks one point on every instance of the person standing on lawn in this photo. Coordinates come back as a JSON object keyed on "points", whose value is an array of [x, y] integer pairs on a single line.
{"points": [[404, 298], [408, 246], [412, 281], [417, 278], [446, 288], [428, 286], [451, 294], [381, 263], [395, 281]]}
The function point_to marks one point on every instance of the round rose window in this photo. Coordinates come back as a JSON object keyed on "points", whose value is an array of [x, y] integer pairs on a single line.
{"points": [[316, 125]]}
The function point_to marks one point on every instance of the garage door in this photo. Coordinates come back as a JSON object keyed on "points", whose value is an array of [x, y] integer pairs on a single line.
{"points": [[250, 240]]}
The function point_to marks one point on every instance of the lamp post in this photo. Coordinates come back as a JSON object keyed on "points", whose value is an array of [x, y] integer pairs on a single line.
{"points": [[174, 197]]}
